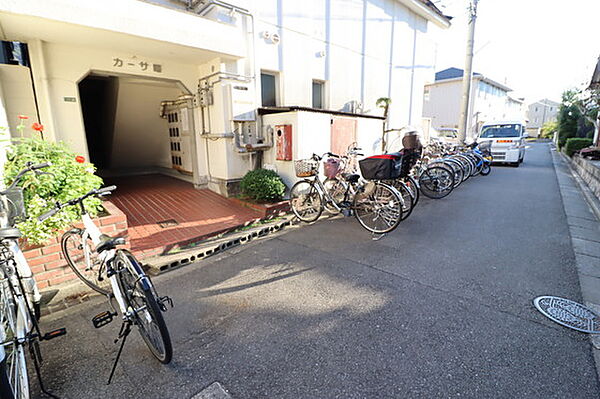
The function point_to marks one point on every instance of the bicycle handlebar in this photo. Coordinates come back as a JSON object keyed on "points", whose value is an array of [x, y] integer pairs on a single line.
{"points": [[31, 167], [48, 214], [58, 206]]}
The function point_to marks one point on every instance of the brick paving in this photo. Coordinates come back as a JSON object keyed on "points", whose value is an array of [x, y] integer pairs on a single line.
{"points": [[199, 213]]}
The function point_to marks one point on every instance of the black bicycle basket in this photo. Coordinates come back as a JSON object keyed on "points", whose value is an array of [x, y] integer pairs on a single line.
{"points": [[381, 167]]}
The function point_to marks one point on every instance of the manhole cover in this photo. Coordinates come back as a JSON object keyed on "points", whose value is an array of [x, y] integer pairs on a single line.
{"points": [[568, 313], [167, 223]]}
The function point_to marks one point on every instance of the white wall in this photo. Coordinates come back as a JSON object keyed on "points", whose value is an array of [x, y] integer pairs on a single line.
{"points": [[311, 133], [369, 52], [141, 137]]}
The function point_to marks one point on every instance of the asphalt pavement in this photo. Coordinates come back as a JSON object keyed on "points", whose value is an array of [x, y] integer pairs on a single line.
{"points": [[442, 307]]}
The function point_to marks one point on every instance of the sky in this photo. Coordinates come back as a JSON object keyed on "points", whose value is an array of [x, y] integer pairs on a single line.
{"points": [[538, 48]]}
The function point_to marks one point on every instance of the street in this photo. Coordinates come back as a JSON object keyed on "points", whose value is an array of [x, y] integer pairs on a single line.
{"points": [[441, 307]]}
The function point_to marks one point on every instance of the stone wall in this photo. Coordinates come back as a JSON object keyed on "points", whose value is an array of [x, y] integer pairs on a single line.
{"points": [[589, 172], [47, 262]]}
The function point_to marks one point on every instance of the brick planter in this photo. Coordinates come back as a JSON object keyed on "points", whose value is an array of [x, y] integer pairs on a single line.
{"points": [[47, 263], [267, 210]]}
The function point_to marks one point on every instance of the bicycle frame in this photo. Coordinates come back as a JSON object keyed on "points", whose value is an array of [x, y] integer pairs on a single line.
{"points": [[93, 232]]}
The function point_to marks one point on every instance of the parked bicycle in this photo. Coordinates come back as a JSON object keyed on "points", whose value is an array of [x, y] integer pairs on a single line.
{"points": [[96, 259], [19, 299], [376, 205]]}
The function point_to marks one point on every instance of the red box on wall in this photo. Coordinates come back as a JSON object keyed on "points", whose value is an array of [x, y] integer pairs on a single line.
{"points": [[283, 142]]}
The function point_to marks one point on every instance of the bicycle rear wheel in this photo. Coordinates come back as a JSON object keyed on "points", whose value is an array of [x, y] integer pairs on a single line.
{"points": [[14, 381], [378, 208], [141, 298], [413, 186], [83, 260], [306, 201]]}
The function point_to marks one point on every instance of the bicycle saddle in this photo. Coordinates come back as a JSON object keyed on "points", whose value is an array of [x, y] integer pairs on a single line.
{"points": [[351, 177], [10, 232], [109, 243]]}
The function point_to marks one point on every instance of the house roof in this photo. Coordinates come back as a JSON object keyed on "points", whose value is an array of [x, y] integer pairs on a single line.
{"points": [[546, 102], [452, 73], [428, 10], [456, 74], [595, 83]]}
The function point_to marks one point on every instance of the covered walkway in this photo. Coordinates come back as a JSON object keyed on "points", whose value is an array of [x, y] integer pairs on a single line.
{"points": [[164, 213]]}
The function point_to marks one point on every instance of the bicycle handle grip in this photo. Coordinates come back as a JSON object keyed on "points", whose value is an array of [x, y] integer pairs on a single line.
{"points": [[106, 190], [41, 165], [331, 154], [48, 214]]}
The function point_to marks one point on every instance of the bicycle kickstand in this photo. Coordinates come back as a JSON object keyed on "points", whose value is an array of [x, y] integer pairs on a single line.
{"points": [[123, 333], [34, 351], [377, 237]]}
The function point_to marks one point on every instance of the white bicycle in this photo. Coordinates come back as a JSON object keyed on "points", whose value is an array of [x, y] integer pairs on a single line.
{"points": [[19, 299], [116, 273]]}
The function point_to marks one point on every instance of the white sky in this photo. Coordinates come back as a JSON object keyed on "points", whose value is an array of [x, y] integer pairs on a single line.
{"points": [[538, 48]]}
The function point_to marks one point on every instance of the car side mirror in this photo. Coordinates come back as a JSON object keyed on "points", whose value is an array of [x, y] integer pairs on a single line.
{"points": [[525, 135]]}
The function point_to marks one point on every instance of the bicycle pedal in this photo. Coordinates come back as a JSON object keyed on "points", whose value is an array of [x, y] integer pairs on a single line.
{"points": [[54, 334], [102, 319], [164, 299]]}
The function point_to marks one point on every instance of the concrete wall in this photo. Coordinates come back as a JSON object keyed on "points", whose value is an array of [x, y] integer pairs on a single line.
{"points": [[16, 86], [141, 136]]}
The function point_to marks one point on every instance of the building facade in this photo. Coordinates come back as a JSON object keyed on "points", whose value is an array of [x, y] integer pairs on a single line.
{"points": [[489, 101], [181, 87], [539, 113]]}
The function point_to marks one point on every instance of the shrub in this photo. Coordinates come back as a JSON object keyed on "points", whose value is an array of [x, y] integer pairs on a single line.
{"points": [[262, 185], [575, 144], [70, 179]]}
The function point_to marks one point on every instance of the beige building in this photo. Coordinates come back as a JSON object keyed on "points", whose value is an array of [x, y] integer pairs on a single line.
{"points": [[489, 101]]}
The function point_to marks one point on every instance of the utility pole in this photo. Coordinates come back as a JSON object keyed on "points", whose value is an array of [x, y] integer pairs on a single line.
{"points": [[467, 74]]}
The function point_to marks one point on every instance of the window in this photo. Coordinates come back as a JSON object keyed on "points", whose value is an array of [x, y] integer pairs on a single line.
{"points": [[317, 94], [268, 89]]}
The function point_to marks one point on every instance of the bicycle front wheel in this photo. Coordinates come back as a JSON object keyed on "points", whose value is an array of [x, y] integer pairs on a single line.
{"points": [[436, 182], [407, 197], [306, 201], [142, 302], [337, 191], [83, 260], [14, 381], [378, 207]]}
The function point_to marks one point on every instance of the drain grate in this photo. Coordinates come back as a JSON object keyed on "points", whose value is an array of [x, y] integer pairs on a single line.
{"points": [[568, 313], [167, 223]]}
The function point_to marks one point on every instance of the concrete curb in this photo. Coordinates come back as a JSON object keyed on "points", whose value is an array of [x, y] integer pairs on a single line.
{"points": [[586, 246], [161, 264]]}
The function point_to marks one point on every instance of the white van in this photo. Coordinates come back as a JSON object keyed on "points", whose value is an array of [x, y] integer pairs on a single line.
{"points": [[508, 140]]}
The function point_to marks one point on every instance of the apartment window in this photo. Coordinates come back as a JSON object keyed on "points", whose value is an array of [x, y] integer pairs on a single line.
{"points": [[268, 89], [318, 94]]}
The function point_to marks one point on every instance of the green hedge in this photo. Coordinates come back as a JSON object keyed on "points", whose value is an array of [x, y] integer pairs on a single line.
{"points": [[262, 185], [574, 144], [70, 178]]}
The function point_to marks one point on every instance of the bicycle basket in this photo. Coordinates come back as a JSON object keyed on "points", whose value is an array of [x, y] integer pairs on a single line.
{"points": [[381, 167], [15, 205], [331, 167], [306, 167]]}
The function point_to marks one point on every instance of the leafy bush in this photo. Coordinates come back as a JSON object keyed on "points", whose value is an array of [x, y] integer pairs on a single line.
{"points": [[262, 185], [575, 144], [548, 130], [71, 179]]}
